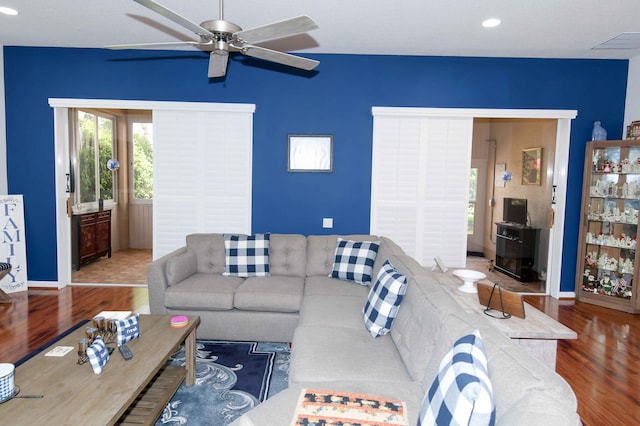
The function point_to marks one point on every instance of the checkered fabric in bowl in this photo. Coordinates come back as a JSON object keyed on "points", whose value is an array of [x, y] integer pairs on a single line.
{"points": [[6, 384], [98, 355], [383, 302], [354, 260], [246, 256], [461, 393]]}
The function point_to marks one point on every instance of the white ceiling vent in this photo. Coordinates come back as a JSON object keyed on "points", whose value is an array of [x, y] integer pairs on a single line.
{"points": [[625, 41]]}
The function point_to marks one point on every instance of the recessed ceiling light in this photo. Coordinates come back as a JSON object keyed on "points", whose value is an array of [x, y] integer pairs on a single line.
{"points": [[491, 22], [8, 10]]}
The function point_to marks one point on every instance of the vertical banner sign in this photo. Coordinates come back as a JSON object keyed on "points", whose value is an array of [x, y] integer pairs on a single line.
{"points": [[12, 243]]}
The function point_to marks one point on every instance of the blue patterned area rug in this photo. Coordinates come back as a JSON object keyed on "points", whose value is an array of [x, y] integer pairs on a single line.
{"points": [[231, 379]]}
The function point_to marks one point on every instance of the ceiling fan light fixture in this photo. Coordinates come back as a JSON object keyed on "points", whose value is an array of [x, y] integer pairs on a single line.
{"points": [[8, 11], [491, 22]]}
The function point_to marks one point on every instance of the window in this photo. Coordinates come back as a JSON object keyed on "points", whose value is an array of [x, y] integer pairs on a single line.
{"points": [[95, 145], [473, 189], [142, 161]]}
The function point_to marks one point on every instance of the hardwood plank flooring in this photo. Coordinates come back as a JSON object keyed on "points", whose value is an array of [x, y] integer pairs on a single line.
{"points": [[602, 365], [127, 266], [38, 315]]}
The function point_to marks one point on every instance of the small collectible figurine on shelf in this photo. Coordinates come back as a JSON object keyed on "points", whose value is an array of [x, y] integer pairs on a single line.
{"points": [[588, 281], [607, 285]]}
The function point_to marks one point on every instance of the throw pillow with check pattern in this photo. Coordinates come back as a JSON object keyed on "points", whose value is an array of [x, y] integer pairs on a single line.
{"points": [[354, 260], [246, 256], [98, 355], [128, 329], [383, 302], [461, 393]]}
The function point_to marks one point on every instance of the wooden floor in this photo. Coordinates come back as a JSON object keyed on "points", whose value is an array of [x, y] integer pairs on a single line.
{"points": [[123, 267], [602, 365], [494, 276]]}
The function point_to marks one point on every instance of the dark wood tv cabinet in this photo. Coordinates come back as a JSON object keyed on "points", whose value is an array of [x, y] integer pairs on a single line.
{"points": [[516, 250]]}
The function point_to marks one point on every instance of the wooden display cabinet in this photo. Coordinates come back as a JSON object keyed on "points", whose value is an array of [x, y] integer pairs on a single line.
{"points": [[91, 237], [607, 271]]}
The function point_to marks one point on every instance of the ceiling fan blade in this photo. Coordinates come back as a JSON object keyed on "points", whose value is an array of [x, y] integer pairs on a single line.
{"points": [[218, 63], [285, 28], [154, 45], [280, 57], [173, 16]]}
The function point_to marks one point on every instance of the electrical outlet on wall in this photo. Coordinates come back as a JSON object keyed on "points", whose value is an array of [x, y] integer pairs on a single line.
{"points": [[327, 222]]}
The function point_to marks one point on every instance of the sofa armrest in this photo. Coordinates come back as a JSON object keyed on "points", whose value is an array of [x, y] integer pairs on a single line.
{"points": [[157, 281]]}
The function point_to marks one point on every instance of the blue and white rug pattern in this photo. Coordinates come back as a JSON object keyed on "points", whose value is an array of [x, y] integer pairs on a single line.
{"points": [[231, 379]]}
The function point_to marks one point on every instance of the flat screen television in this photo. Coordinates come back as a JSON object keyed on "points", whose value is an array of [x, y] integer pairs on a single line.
{"points": [[514, 210]]}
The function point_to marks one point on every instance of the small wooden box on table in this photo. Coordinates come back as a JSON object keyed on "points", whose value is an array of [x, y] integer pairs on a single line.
{"points": [[127, 392]]}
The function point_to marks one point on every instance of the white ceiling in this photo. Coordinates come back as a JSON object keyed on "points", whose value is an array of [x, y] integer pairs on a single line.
{"points": [[537, 28]]}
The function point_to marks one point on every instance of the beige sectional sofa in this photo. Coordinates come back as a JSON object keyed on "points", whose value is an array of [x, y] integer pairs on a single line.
{"points": [[331, 348]]}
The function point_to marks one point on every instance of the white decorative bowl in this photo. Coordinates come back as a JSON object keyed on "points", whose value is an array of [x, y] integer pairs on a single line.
{"points": [[469, 278]]}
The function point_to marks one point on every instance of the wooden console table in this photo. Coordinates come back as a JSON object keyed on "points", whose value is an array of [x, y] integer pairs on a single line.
{"points": [[538, 333]]}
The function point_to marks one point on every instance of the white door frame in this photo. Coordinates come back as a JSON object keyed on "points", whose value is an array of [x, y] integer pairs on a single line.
{"points": [[563, 133], [481, 196], [61, 108]]}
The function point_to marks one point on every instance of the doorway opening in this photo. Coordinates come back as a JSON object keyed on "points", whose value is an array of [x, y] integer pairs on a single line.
{"points": [[111, 195], [514, 160], [422, 228]]}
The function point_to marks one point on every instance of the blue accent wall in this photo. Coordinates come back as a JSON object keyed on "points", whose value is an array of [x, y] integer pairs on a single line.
{"points": [[337, 99]]}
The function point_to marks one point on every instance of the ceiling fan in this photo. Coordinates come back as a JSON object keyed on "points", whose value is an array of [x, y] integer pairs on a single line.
{"points": [[220, 37]]}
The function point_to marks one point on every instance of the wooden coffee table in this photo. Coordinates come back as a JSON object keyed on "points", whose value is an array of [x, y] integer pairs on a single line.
{"points": [[127, 392]]}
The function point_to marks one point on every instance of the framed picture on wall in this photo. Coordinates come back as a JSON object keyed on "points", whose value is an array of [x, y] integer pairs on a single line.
{"points": [[310, 153], [531, 166]]}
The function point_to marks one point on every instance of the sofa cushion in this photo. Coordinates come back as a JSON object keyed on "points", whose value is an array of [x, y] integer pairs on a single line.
{"points": [[333, 287], [288, 255], [209, 250], [354, 260], [270, 294], [461, 393], [387, 249], [246, 255], [326, 353], [332, 311], [384, 300], [280, 408], [424, 307], [203, 291], [181, 267]]}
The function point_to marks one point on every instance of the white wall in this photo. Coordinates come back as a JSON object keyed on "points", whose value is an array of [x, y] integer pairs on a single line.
{"points": [[632, 105], [3, 130]]}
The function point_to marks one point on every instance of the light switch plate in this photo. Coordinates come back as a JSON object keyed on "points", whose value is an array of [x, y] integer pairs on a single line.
{"points": [[327, 222]]}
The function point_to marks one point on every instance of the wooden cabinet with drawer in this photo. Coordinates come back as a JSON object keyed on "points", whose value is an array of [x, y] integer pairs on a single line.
{"points": [[91, 237]]}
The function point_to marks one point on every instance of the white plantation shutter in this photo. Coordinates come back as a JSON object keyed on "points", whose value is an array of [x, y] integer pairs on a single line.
{"points": [[202, 174], [420, 183]]}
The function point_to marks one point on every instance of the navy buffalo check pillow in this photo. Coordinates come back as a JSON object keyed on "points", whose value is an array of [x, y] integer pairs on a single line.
{"points": [[98, 355], [461, 393], [384, 300], [354, 260], [246, 256], [128, 329]]}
